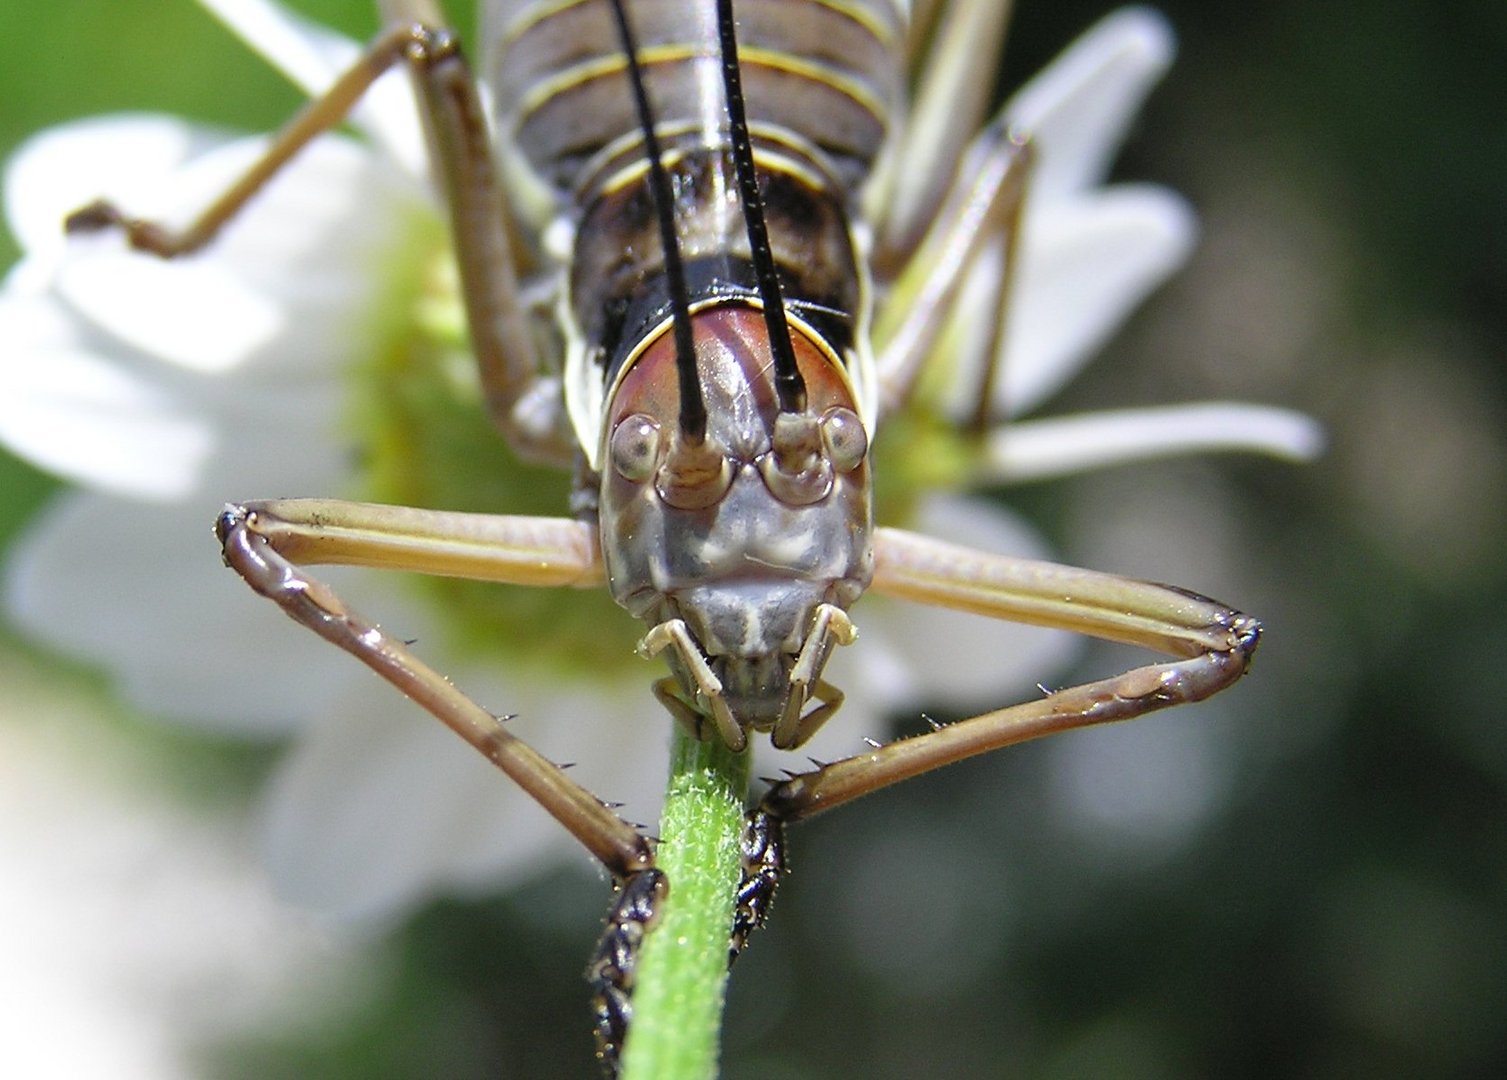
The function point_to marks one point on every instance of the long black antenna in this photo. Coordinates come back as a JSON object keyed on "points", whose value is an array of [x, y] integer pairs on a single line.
{"points": [[788, 383], [692, 406]]}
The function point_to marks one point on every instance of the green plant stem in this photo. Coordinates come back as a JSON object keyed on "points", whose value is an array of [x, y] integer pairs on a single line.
{"points": [[681, 977]]}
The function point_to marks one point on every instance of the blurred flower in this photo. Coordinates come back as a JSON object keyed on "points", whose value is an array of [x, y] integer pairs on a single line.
{"points": [[315, 348], [135, 933]]}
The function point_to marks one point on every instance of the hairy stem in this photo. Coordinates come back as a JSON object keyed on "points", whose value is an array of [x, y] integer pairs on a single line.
{"points": [[682, 971]]}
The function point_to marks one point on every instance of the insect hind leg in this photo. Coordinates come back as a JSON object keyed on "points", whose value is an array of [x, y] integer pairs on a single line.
{"points": [[518, 393], [611, 971], [763, 870], [636, 910]]}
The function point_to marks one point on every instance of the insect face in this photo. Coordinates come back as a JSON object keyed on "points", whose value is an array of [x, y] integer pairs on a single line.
{"points": [[748, 539]]}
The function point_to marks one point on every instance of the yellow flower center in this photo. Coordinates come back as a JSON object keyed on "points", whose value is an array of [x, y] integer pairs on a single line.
{"points": [[425, 441]]}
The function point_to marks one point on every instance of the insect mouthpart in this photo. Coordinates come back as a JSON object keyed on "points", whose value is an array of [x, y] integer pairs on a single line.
{"points": [[752, 633]]}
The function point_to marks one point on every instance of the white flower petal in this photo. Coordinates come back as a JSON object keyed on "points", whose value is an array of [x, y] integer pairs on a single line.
{"points": [[379, 806], [914, 655], [313, 57], [358, 820], [1087, 264], [116, 157], [141, 590], [1034, 449], [120, 910], [201, 317], [1077, 110], [279, 441], [74, 412], [124, 423], [337, 205], [611, 729], [1136, 791]]}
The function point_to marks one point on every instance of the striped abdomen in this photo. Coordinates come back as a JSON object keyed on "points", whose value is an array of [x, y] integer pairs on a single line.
{"points": [[820, 76]]}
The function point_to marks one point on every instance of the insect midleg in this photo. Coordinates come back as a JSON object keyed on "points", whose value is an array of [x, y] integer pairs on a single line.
{"points": [[1215, 641], [455, 123], [954, 60], [262, 540], [983, 207]]}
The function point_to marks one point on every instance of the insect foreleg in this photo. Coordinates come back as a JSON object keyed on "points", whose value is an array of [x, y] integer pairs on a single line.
{"points": [[954, 58], [362, 538], [1215, 641]]}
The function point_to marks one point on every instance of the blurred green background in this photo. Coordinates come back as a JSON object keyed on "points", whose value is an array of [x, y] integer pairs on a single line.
{"points": [[1306, 877]]}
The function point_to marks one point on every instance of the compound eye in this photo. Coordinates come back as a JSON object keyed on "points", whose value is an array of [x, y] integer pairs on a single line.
{"points": [[635, 447], [843, 437]]}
